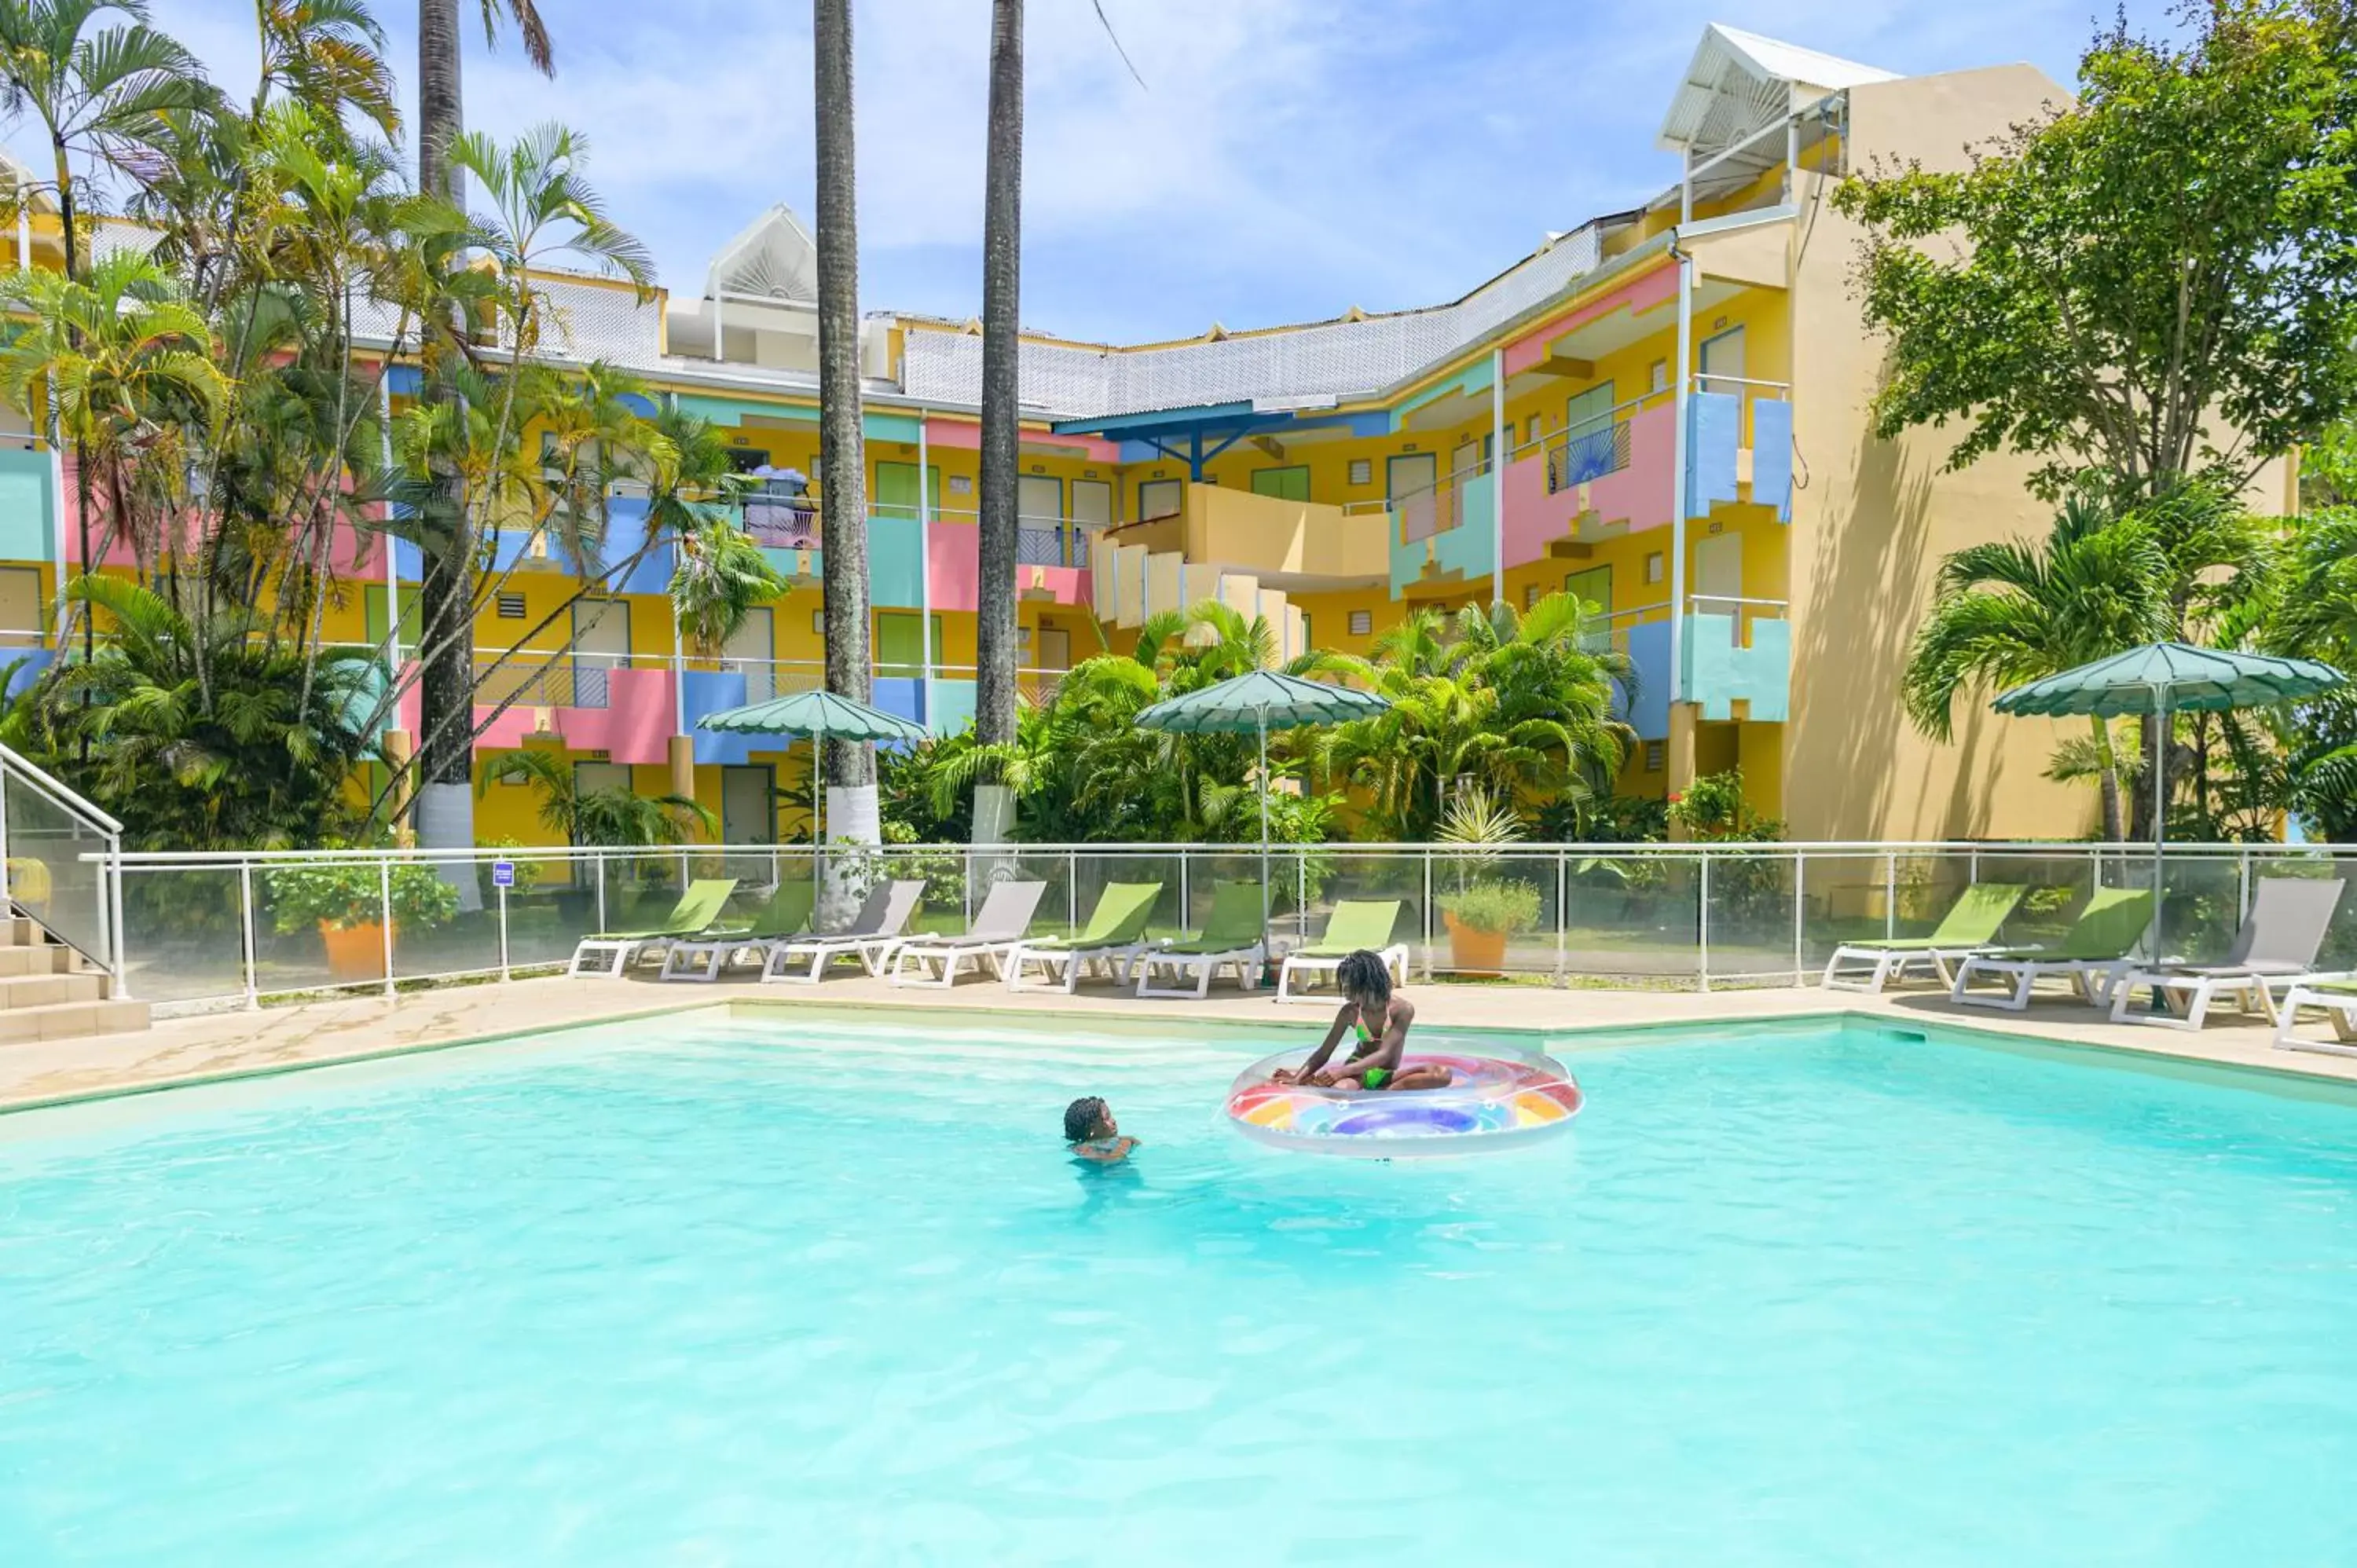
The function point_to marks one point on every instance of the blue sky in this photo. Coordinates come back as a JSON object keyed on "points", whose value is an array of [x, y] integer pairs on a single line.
{"points": [[1287, 159]]}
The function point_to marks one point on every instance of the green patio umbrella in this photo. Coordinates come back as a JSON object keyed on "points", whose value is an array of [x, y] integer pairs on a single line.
{"points": [[823, 716], [2164, 678], [1259, 703]]}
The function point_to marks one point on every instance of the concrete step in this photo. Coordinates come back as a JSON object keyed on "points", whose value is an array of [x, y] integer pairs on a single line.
{"points": [[49, 959], [16, 931], [50, 990], [70, 1020]]}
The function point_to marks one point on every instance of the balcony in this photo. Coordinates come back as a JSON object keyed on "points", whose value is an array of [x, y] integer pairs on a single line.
{"points": [[944, 704], [1443, 535], [589, 702], [1738, 650], [1614, 473], [1052, 556]]}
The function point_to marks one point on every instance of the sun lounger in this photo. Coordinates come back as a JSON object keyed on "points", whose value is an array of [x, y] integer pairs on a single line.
{"points": [[1970, 926], [1114, 940], [1355, 924], [2275, 951], [2092, 955], [870, 937], [2336, 998], [787, 914], [613, 951], [997, 929], [1231, 939]]}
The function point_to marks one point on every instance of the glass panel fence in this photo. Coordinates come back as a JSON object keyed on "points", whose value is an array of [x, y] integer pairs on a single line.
{"points": [[49, 876], [184, 932]]}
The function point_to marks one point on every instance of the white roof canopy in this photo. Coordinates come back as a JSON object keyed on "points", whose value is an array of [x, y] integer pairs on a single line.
{"points": [[774, 258], [1740, 84]]}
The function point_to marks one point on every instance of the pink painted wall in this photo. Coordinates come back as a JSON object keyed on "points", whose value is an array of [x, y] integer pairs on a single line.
{"points": [[1064, 585], [962, 434], [348, 555], [1639, 293], [953, 564], [1643, 494], [636, 724], [1534, 517]]}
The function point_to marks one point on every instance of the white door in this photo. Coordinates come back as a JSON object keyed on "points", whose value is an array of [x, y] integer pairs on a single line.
{"points": [[753, 649], [1091, 511], [748, 811], [1722, 362], [1718, 573], [602, 642], [1161, 498], [20, 607]]}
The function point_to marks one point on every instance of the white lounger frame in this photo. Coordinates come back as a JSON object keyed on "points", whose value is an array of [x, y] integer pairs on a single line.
{"points": [[1204, 967], [2252, 994], [951, 954], [625, 950], [2339, 1007], [779, 964], [1883, 965], [2093, 978], [1394, 959], [1114, 963]]}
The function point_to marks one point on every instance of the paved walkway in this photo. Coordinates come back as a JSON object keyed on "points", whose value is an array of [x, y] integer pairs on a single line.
{"points": [[240, 1044]]}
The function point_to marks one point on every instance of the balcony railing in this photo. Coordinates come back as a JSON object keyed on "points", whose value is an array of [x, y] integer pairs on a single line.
{"points": [[1595, 448]]}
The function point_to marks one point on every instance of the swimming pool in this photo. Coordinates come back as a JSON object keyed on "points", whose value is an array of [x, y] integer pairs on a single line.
{"points": [[827, 1291]]}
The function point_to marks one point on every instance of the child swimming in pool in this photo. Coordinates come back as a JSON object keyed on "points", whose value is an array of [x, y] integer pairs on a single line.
{"points": [[1089, 1129], [1381, 1021]]}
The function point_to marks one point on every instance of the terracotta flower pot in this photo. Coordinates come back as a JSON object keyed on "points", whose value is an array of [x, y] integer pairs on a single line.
{"points": [[1472, 951], [354, 953]]}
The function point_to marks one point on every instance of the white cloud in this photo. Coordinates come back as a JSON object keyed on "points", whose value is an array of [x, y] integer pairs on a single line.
{"points": [[1286, 157]]}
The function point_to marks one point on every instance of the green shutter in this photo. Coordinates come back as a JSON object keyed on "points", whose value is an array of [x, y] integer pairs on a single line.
{"points": [[1286, 484]]}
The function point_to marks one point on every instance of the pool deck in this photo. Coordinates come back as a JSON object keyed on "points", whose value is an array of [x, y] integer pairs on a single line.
{"points": [[208, 1047]]}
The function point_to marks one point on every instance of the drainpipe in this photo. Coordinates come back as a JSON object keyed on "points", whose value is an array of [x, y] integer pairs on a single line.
{"points": [[392, 561], [1680, 387], [1497, 477], [925, 567]]}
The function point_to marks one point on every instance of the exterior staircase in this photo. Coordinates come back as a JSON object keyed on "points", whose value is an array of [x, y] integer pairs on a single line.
{"points": [[49, 991]]}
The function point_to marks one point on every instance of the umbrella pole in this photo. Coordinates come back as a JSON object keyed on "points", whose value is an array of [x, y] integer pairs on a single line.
{"points": [[1263, 830], [2159, 809], [818, 813]]}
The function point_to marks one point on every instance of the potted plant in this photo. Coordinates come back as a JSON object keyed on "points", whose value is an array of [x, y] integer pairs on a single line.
{"points": [[345, 899], [1482, 916]]}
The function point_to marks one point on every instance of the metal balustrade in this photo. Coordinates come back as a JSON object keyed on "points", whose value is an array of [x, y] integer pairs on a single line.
{"points": [[198, 929]]}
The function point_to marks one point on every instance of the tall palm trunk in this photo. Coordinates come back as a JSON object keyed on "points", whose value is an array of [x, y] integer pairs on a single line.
{"points": [[1002, 288], [2109, 779], [84, 497], [843, 453], [445, 798]]}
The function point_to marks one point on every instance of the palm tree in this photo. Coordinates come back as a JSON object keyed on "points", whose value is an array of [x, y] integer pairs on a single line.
{"points": [[1002, 288], [616, 818], [842, 452], [204, 735], [539, 206], [2004, 613], [441, 116], [129, 364]]}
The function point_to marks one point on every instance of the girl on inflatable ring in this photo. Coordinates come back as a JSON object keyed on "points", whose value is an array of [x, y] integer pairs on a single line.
{"points": [[1381, 1021]]}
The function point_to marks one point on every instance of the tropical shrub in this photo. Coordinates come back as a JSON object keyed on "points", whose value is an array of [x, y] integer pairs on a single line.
{"points": [[1502, 904], [349, 893]]}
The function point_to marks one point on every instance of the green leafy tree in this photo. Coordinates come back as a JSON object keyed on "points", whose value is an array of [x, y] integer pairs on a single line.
{"points": [[2154, 281]]}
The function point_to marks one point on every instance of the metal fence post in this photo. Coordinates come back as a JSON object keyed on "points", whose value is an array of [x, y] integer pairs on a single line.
{"points": [[1185, 910], [1701, 926], [2242, 896], [1427, 914], [1562, 918], [1301, 898], [1072, 890], [1800, 917], [599, 862], [504, 971], [245, 926], [384, 891], [1889, 896]]}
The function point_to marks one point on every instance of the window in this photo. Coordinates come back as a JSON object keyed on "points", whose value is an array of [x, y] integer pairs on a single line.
{"points": [[1657, 756], [512, 606], [1531, 597], [1362, 623], [961, 484], [1660, 374], [1362, 470], [1286, 484], [1656, 567]]}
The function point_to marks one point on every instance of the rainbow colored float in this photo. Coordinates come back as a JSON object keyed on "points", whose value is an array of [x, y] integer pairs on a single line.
{"points": [[1491, 1103]]}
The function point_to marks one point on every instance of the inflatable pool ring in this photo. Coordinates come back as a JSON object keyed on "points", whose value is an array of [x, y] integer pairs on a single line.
{"points": [[1491, 1103]]}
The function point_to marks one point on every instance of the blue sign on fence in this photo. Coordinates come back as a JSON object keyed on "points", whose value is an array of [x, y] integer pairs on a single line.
{"points": [[504, 874]]}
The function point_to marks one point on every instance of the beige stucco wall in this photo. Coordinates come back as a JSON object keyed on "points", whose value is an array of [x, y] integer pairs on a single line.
{"points": [[1875, 518]]}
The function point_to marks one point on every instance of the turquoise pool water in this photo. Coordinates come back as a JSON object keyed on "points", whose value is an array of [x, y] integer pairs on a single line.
{"points": [[734, 1293]]}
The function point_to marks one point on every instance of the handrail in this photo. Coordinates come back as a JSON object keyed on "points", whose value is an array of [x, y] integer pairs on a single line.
{"points": [[60, 794]]}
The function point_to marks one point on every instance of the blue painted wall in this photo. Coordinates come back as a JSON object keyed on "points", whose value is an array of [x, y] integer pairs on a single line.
{"points": [[1719, 673], [895, 564], [1649, 650], [1771, 456], [28, 512], [1713, 426], [707, 692]]}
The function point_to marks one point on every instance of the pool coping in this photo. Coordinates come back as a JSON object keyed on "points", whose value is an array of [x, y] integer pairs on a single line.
{"points": [[443, 1020]]}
